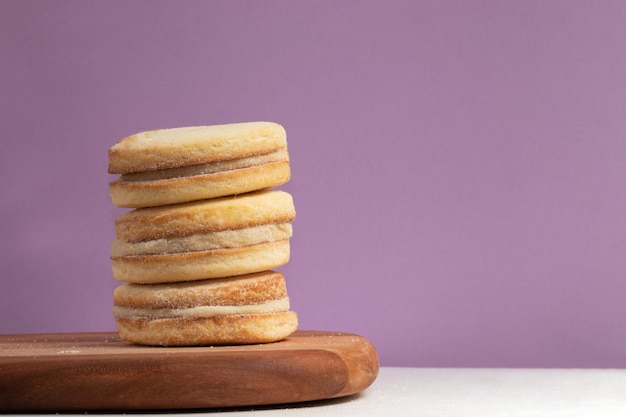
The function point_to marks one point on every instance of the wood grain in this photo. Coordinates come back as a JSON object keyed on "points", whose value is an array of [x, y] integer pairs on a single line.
{"points": [[98, 371]]}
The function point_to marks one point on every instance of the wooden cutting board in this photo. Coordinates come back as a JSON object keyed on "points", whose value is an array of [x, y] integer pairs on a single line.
{"points": [[98, 371]]}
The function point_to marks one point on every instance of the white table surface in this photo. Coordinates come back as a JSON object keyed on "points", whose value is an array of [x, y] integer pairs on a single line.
{"points": [[448, 392], [477, 393]]}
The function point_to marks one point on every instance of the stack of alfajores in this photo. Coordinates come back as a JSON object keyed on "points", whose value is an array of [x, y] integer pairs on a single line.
{"points": [[197, 252]]}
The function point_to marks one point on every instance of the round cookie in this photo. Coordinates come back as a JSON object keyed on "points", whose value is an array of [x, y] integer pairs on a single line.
{"points": [[171, 166], [246, 309], [213, 238]]}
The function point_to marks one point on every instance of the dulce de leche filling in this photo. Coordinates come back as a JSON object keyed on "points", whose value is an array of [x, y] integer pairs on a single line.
{"points": [[204, 241], [208, 168], [273, 306]]}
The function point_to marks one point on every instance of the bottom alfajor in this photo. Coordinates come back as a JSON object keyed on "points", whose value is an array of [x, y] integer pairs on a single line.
{"points": [[246, 309]]}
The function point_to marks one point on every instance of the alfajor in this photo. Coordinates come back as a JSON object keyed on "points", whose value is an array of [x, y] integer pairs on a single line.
{"points": [[245, 309], [204, 239], [171, 166]]}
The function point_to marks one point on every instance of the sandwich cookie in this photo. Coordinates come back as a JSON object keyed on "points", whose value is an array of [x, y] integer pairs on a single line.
{"points": [[246, 309], [213, 238], [171, 166]]}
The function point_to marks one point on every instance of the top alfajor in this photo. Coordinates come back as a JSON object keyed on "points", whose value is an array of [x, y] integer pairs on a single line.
{"points": [[170, 166]]}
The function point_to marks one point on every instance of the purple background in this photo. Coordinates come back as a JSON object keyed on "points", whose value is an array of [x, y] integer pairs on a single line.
{"points": [[458, 167]]}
